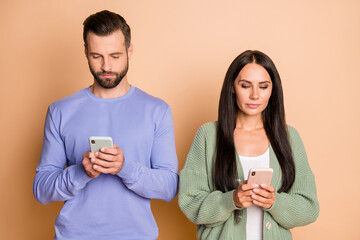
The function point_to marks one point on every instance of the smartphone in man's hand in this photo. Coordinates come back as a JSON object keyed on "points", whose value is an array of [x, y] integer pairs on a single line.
{"points": [[96, 143]]}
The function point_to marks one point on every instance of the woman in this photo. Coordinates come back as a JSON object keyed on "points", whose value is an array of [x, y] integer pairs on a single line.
{"points": [[251, 132]]}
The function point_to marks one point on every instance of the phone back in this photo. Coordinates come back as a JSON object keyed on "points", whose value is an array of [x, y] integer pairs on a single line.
{"points": [[260, 175], [98, 142]]}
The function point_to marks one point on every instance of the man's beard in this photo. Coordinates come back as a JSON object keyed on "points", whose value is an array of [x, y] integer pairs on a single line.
{"points": [[109, 83]]}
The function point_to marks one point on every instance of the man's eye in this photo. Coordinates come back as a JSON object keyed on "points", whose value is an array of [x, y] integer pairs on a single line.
{"points": [[116, 56], [95, 56]]}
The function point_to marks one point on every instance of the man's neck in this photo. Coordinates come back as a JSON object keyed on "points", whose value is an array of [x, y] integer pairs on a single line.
{"points": [[118, 91]]}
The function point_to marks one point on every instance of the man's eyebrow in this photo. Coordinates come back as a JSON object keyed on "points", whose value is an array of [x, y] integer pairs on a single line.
{"points": [[114, 53]]}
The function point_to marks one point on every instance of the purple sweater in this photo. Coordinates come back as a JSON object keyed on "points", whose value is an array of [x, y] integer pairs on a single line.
{"points": [[109, 206]]}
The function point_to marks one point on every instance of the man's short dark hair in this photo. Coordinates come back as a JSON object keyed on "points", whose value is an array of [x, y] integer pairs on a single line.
{"points": [[104, 23]]}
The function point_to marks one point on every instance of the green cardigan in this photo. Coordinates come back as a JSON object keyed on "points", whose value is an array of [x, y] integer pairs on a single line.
{"points": [[213, 210]]}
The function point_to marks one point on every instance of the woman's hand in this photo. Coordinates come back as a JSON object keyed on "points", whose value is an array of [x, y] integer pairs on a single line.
{"points": [[263, 196], [242, 196]]}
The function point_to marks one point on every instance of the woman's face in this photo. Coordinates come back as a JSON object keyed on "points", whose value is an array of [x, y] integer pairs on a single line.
{"points": [[253, 88]]}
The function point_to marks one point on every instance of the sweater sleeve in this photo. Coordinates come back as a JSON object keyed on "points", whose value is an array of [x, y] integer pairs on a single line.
{"points": [[160, 181], [54, 182], [196, 199], [299, 206]]}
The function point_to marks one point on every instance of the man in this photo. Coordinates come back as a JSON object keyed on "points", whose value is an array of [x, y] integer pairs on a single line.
{"points": [[107, 194]]}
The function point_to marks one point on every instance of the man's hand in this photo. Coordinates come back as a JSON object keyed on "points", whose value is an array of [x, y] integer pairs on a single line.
{"points": [[108, 160], [88, 166]]}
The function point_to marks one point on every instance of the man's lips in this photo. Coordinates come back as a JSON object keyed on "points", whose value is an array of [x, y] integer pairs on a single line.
{"points": [[107, 75]]}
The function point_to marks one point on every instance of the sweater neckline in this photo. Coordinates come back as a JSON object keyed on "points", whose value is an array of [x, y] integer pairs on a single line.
{"points": [[117, 99]]}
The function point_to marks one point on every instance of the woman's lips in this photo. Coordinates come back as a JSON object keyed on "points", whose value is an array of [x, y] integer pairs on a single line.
{"points": [[253, 106]]}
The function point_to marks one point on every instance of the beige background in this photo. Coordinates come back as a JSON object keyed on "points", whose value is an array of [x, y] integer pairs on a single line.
{"points": [[182, 51]]}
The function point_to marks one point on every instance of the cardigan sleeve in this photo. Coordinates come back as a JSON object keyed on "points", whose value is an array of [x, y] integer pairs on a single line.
{"points": [[299, 206], [197, 200]]}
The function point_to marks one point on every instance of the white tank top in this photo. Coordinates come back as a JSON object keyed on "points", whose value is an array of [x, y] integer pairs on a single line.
{"points": [[255, 215]]}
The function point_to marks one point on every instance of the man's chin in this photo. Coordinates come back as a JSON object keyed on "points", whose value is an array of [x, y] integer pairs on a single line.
{"points": [[108, 86], [107, 83]]}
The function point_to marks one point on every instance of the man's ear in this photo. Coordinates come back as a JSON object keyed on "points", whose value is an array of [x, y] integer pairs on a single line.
{"points": [[130, 50], [85, 51]]}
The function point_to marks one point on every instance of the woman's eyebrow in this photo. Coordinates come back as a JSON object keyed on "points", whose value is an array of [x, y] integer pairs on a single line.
{"points": [[247, 81]]}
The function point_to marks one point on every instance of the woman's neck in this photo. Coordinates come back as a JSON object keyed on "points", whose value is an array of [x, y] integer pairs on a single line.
{"points": [[249, 123]]}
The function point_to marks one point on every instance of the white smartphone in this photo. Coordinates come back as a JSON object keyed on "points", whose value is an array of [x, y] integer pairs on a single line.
{"points": [[260, 176], [96, 143]]}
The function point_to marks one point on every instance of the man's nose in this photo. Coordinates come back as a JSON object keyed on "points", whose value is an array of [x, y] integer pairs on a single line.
{"points": [[106, 66]]}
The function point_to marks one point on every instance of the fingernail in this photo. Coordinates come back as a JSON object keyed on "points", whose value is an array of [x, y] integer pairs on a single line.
{"points": [[263, 185], [102, 149], [96, 154], [255, 186], [256, 190]]}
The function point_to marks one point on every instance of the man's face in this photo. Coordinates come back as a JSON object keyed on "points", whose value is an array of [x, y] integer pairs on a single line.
{"points": [[108, 58]]}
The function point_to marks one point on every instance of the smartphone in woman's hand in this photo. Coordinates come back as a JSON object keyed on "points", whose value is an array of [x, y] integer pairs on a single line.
{"points": [[260, 176]]}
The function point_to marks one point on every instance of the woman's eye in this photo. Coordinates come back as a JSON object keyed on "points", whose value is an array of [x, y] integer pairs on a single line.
{"points": [[245, 86], [264, 87]]}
